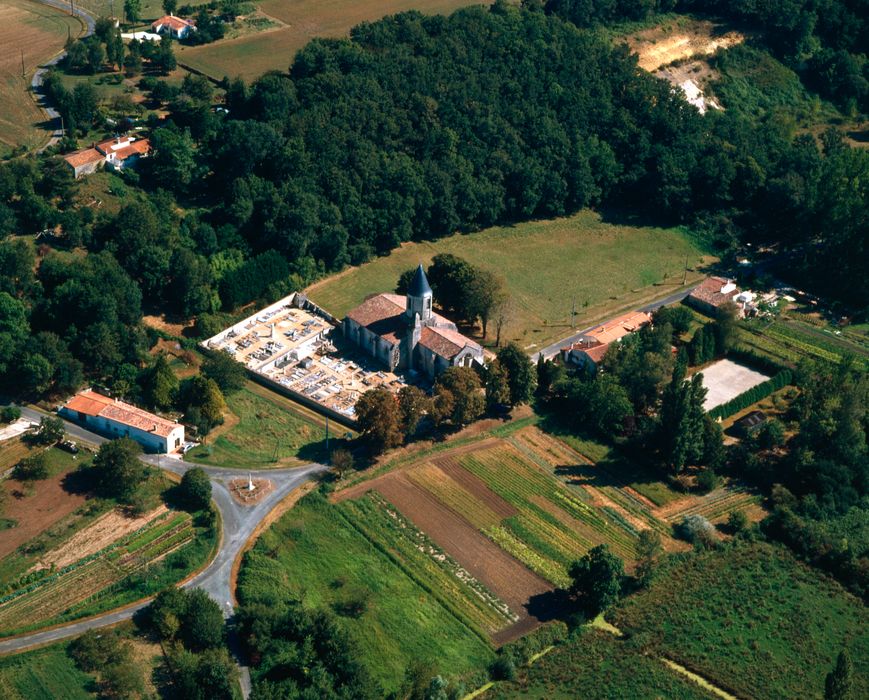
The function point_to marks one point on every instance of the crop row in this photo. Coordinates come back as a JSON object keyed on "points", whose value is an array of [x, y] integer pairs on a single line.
{"points": [[457, 498], [455, 588], [528, 556]]}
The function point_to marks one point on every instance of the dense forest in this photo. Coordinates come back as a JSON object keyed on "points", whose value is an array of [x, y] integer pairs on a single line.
{"points": [[415, 127]]}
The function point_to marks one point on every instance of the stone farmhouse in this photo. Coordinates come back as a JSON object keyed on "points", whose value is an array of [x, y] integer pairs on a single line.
{"points": [[117, 153], [404, 333], [116, 419], [589, 350], [713, 293]]}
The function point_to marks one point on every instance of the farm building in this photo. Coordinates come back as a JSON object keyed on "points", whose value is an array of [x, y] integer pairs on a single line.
{"points": [[85, 161], [177, 27], [118, 153], [119, 419], [590, 349], [711, 294], [405, 333], [750, 423]]}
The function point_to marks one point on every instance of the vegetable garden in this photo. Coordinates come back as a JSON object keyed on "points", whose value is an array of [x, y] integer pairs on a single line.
{"points": [[44, 596]]}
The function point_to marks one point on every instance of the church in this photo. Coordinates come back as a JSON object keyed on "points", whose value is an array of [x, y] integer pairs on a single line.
{"points": [[404, 333]]}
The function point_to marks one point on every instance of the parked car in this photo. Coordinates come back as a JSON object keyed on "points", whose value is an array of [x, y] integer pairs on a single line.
{"points": [[69, 446]]}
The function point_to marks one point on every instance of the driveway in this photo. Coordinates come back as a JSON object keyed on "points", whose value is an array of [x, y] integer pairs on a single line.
{"points": [[239, 524], [551, 351]]}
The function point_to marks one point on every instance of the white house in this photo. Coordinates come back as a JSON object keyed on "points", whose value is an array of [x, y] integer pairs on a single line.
{"points": [[405, 333], [116, 418], [175, 26]]}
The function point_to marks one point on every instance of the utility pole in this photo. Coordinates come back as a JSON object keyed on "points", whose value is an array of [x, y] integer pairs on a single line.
{"points": [[328, 456], [573, 314], [22, 63], [685, 275]]}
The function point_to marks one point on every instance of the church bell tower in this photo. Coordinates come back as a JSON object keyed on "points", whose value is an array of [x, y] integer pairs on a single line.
{"points": [[419, 298]]}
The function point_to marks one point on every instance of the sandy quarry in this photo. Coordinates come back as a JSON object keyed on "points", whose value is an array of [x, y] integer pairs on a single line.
{"points": [[661, 46]]}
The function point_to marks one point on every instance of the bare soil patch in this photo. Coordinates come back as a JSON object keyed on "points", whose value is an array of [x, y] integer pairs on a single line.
{"points": [[161, 324], [663, 45], [98, 535], [502, 574], [49, 504]]}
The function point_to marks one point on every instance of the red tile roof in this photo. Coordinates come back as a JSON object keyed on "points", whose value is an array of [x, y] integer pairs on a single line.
{"points": [[378, 308], [445, 342], [91, 403], [173, 22], [709, 291], [83, 157]]}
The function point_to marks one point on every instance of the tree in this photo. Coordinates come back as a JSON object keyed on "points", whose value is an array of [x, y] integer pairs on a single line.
{"points": [[166, 56], [648, 550], [122, 680], [342, 462], [117, 469], [202, 622], [9, 414], [460, 387], [484, 294], [170, 6], [413, 403], [840, 681], [379, 419], [195, 489], [521, 376], [682, 419], [229, 374], [737, 521], [133, 10], [497, 385], [404, 281], [597, 579], [166, 612], [32, 468], [49, 431], [14, 329], [203, 398], [159, 384]]}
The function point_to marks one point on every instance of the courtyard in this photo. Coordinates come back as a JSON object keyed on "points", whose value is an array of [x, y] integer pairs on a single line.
{"points": [[726, 379]]}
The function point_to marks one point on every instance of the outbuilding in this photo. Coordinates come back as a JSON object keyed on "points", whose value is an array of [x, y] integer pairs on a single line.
{"points": [[115, 418]]}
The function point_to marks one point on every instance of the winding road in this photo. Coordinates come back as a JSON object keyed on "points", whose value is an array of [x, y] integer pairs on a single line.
{"points": [[89, 23], [239, 525]]}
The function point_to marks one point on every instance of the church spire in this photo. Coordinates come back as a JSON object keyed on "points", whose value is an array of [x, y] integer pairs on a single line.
{"points": [[419, 284]]}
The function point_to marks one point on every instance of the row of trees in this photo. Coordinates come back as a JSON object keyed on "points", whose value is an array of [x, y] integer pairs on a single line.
{"points": [[387, 420]]}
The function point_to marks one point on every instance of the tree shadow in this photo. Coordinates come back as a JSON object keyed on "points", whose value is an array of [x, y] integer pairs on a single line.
{"points": [[551, 605]]}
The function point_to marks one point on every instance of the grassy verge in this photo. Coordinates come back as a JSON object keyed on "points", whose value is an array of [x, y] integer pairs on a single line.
{"points": [[315, 554], [752, 620], [547, 266], [266, 430]]}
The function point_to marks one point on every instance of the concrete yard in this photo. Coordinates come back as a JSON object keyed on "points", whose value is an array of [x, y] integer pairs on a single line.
{"points": [[726, 379]]}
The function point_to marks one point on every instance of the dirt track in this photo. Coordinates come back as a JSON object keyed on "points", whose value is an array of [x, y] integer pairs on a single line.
{"points": [[661, 46]]}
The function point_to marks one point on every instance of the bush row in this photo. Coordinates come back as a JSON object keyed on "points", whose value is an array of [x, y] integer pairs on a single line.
{"points": [[753, 395]]}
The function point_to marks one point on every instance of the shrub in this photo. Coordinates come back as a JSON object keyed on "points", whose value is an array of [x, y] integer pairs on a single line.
{"points": [[737, 521], [33, 468], [707, 480], [697, 530], [503, 669], [10, 414]]}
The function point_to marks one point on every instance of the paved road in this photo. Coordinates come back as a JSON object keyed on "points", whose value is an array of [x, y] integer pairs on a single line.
{"points": [[239, 524], [551, 351], [39, 75]]}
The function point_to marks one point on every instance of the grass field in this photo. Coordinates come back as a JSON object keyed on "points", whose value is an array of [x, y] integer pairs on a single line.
{"points": [[44, 674], [752, 620], [35, 33], [596, 665], [547, 266], [321, 554], [266, 430], [251, 56]]}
